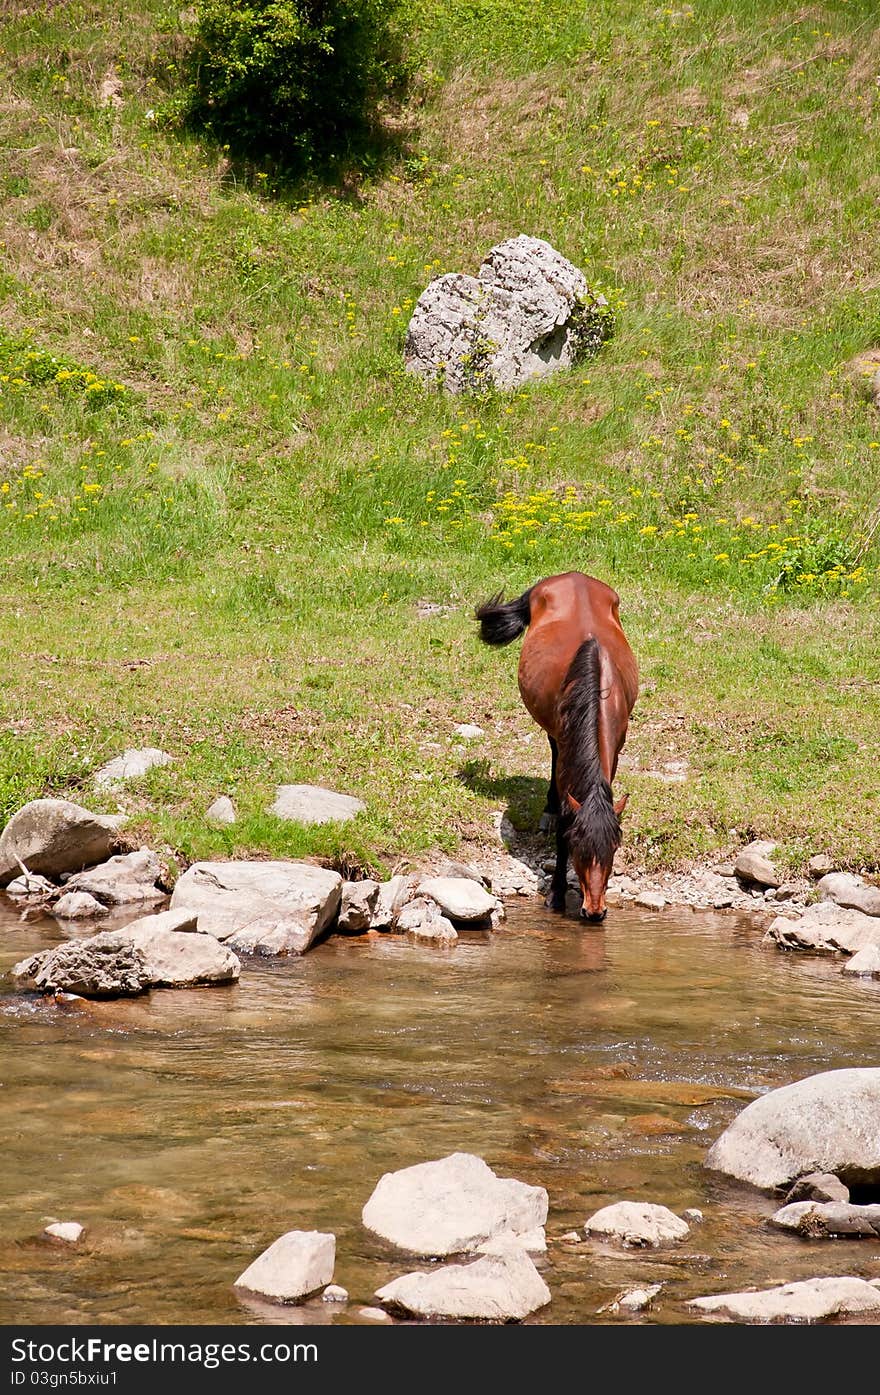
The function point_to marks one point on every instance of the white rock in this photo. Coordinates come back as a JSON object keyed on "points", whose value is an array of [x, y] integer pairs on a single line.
{"points": [[221, 811], [175, 958], [425, 920], [633, 1300], [260, 907], [90, 968], [131, 765], [459, 898], [637, 1223], [850, 892], [534, 1242], [494, 1289], [865, 961], [27, 885], [826, 928], [335, 1293], [308, 804], [125, 880], [815, 1218], [374, 1314], [294, 1266], [651, 900], [468, 732], [53, 836], [826, 1123], [753, 865], [809, 1300], [70, 1232], [77, 905], [357, 906], [393, 895], [451, 1206]]}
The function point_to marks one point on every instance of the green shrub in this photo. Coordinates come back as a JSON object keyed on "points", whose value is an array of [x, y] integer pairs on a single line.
{"points": [[293, 79]]}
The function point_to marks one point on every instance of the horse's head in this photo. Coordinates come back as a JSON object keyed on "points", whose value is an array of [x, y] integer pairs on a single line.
{"points": [[592, 854]]}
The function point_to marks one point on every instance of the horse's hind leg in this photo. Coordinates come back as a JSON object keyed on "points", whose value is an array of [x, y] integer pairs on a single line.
{"points": [[551, 808], [559, 884]]}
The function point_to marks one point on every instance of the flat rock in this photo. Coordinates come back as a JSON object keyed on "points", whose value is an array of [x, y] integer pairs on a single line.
{"points": [[54, 836], [308, 804], [865, 961], [221, 811], [754, 866], [459, 898], [821, 1218], [92, 968], [124, 880], [826, 1123], [494, 1289], [651, 900], [637, 1223], [294, 1266], [826, 928], [176, 959], [131, 765], [78, 905], [809, 1300], [357, 906], [818, 1186], [68, 1232], [534, 1242], [260, 907], [451, 1206], [851, 892]]}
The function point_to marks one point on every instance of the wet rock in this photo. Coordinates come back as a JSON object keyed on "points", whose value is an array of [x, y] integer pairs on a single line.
{"points": [[309, 804], [632, 1300], [294, 1266], [357, 906], [534, 1242], [651, 900], [809, 1300], [828, 1122], [816, 1219], [77, 905], [451, 1206], [393, 896], [131, 765], [459, 898], [28, 886], [260, 907], [693, 1215], [124, 880], [819, 866], [425, 920], [53, 836], [818, 1186], [495, 1289], [850, 892], [335, 1293], [68, 1232], [89, 968], [374, 1314], [637, 1223], [825, 928], [753, 865], [865, 961], [175, 956], [221, 811]]}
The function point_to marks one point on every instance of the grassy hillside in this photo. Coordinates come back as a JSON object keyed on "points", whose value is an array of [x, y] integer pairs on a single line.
{"points": [[233, 528]]}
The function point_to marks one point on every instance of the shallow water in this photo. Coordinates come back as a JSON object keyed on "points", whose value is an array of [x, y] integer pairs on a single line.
{"points": [[188, 1129]]}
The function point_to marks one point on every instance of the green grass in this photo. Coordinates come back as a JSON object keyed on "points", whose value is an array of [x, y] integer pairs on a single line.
{"points": [[217, 522]]}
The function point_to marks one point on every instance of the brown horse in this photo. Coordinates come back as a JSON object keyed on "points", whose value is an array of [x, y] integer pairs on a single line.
{"points": [[579, 680]]}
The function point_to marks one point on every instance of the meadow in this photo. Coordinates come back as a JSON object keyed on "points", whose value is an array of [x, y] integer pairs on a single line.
{"points": [[234, 528]]}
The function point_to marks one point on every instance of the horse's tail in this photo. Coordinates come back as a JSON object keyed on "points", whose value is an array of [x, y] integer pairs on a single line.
{"points": [[501, 622], [596, 827]]}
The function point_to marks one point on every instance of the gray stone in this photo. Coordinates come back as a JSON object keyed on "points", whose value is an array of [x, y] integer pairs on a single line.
{"points": [[175, 958], [809, 1300], [865, 961], [294, 1266], [374, 1314], [818, 1186], [357, 906], [393, 896], [260, 907], [651, 900], [784, 892], [68, 1232], [125, 880], [28, 886], [527, 313], [498, 1288], [816, 1219], [77, 905], [819, 866], [534, 1242], [693, 1215], [632, 1300], [221, 811], [825, 928], [335, 1293], [53, 836], [826, 1123], [636, 1224], [89, 968], [753, 866], [451, 1206], [425, 920], [459, 898], [131, 765], [308, 804], [850, 892]]}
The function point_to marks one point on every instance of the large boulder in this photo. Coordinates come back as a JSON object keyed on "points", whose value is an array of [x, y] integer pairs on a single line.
{"points": [[849, 891], [528, 312], [310, 804], [295, 1265], [499, 1288], [825, 1123], [54, 836], [260, 907], [637, 1223], [452, 1206], [125, 880], [809, 1300], [826, 928]]}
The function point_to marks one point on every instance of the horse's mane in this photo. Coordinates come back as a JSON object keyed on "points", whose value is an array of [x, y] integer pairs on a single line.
{"points": [[594, 834]]}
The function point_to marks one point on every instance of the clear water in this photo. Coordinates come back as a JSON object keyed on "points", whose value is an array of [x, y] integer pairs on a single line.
{"points": [[187, 1130]]}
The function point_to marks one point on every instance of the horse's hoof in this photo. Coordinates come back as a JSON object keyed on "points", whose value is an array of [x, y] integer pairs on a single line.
{"points": [[547, 823], [553, 903]]}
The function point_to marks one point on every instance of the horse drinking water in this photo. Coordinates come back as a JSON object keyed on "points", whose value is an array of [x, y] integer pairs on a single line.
{"points": [[579, 680]]}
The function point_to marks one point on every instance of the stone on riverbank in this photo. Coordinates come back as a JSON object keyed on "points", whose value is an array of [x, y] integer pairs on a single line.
{"points": [[828, 1122], [753, 865], [809, 1300], [828, 1218], [460, 898], [77, 905], [632, 1300], [260, 907], [293, 1267], [451, 1206], [128, 879], [308, 804], [28, 886], [88, 968], [393, 896], [851, 892], [131, 765], [499, 1288], [425, 921], [357, 906], [651, 900], [819, 866], [637, 1223], [54, 836], [826, 928]]}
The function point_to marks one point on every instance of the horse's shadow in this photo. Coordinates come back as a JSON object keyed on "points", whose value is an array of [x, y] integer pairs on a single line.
{"points": [[525, 795]]}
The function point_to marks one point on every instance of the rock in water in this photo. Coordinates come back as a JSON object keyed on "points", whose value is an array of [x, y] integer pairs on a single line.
{"points": [[131, 765], [818, 1186], [295, 1265], [53, 836], [865, 961], [128, 879], [820, 1218], [828, 1122], [460, 898], [826, 929], [89, 968], [495, 1289], [357, 906], [260, 907], [810, 1300], [425, 920], [68, 1232], [310, 804], [637, 1223], [451, 1206], [77, 905], [528, 312]]}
